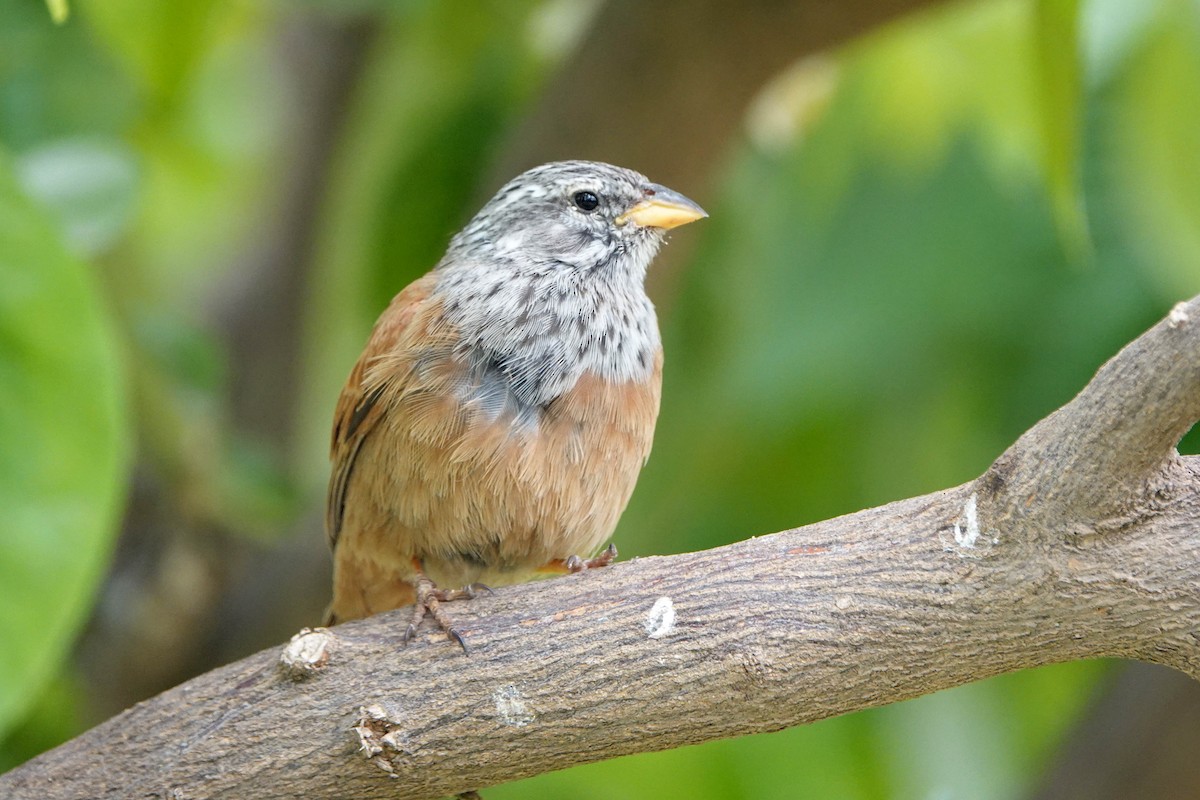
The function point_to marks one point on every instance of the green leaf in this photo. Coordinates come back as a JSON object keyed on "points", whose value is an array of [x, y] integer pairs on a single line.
{"points": [[64, 454], [1060, 81]]}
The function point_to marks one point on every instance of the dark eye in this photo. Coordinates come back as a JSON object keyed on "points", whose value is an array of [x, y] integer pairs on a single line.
{"points": [[586, 201]]}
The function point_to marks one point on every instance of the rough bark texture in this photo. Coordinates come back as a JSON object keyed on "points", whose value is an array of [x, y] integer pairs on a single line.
{"points": [[1082, 540]]}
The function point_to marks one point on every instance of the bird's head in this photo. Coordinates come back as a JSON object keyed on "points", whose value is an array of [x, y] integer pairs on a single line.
{"points": [[577, 215]]}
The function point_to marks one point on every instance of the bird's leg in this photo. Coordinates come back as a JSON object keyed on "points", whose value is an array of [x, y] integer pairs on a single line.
{"points": [[578, 564], [429, 601]]}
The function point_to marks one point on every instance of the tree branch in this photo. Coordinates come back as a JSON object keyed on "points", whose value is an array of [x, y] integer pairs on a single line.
{"points": [[1080, 541]]}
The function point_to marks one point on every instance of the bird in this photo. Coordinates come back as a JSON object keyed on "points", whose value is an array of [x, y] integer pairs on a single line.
{"points": [[498, 418]]}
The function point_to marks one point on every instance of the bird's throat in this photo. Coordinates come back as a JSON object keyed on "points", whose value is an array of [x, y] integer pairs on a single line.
{"points": [[537, 333]]}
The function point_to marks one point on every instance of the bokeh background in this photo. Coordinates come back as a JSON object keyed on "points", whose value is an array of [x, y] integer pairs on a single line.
{"points": [[931, 222]]}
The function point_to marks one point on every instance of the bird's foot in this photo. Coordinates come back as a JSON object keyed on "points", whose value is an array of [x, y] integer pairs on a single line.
{"points": [[577, 564], [429, 601]]}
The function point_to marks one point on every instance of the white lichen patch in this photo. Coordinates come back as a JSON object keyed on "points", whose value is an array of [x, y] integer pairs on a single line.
{"points": [[1178, 315], [660, 621], [307, 653], [511, 708], [967, 533]]}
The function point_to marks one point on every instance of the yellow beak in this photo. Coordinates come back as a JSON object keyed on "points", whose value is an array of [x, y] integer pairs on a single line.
{"points": [[663, 208]]}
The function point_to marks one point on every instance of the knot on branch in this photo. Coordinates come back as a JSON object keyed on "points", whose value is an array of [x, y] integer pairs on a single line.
{"points": [[380, 738]]}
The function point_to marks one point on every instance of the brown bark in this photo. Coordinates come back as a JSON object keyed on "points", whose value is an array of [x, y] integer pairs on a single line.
{"points": [[1080, 541]]}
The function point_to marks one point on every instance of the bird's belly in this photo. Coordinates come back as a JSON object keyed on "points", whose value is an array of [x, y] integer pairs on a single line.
{"points": [[491, 500]]}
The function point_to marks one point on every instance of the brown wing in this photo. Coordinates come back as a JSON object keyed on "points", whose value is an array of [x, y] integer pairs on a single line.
{"points": [[359, 408]]}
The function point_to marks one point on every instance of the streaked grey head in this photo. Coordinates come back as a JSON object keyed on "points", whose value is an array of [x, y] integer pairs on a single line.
{"points": [[574, 215], [545, 283]]}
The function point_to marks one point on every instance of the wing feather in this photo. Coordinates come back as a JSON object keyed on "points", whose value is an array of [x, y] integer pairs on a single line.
{"points": [[365, 399]]}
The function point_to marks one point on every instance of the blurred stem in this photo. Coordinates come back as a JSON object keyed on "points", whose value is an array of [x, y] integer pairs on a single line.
{"points": [[1060, 74], [325, 60]]}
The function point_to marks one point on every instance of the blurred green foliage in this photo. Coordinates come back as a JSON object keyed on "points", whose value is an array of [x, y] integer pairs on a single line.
{"points": [[924, 243], [66, 440]]}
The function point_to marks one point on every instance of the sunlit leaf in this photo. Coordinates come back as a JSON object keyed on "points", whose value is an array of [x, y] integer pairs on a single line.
{"points": [[59, 10], [63, 462], [1110, 30]]}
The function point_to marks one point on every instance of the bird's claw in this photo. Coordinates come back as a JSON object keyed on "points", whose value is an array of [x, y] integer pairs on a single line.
{"points": [[429, 600], [577, 564], [456, 636]]}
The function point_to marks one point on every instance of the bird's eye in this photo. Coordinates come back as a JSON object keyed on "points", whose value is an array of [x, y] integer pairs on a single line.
{"points": [[586, 201]]}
